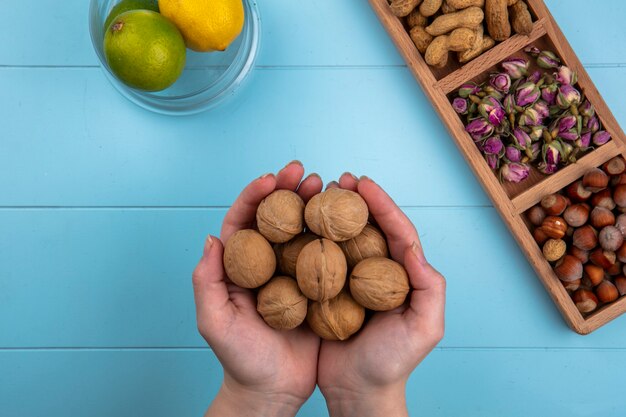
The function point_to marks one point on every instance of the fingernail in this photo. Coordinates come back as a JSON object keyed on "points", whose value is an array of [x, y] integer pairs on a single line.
{"points": [[314, 174], [209, 241], [265, 175], [365, 177], [351, 175], [418, 252], [332, 184], [295, 161]]}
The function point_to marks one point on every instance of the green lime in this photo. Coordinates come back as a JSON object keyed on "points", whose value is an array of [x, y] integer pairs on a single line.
{"points": [[144, 50], [126, 5]]}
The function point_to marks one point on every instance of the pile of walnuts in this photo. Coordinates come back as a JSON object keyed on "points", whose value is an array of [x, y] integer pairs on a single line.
{"points": [[322, 262]]}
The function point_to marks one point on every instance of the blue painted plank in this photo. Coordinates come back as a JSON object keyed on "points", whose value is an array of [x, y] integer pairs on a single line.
{"points": [[121, 278], [317, 32], [89, 146], [468, 383]]}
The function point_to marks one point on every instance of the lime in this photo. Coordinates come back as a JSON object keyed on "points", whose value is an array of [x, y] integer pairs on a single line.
{"points": [[206, 25], [126, 5], [144, 50]]}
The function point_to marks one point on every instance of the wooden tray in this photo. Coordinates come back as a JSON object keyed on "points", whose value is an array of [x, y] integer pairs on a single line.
{"points": [[512, 200]]}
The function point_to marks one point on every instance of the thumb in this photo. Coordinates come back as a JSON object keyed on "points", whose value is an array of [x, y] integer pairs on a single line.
{"points": [[209, 287], [426, 312]]}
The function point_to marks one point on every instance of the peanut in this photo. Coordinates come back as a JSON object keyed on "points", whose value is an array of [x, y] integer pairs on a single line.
{"points": [[511, 2], [468, 18], [446, 8], [497, 17], [464, 4], [415, 18], [402, 8], [430, 7], [521, 20], [459, 39], [420, 38], [487, 43]]}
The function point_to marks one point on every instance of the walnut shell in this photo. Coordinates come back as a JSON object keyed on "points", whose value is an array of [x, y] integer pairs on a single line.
{"points": [[321, 270], [336, 214], [281, 303], [379, 284], [369, 243], [280, 216], [287, 253], [337, 318], [249, 260]]}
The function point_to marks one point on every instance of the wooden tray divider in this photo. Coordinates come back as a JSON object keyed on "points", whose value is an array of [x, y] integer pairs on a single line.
{"points": [[490, 58]]}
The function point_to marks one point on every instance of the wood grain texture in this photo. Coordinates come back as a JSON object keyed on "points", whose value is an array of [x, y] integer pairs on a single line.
{"points": [[510, 210]]}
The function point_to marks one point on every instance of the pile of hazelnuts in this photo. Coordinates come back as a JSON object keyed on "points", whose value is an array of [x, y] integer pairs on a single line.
{"points": [[582, 232], [324, 262]]}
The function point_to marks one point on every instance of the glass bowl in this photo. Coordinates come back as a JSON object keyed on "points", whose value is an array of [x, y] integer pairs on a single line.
{"points": [[208, 78]]}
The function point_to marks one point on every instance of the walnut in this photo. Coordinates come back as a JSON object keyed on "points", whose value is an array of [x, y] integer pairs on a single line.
{"points": [[368, 244], [281, 303], [280, 216], [336, 214], [379, 284], [337, 318], [249, 260], [287, 253], [321, 270]]}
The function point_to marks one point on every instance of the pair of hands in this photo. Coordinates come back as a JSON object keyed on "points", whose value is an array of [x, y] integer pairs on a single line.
{"points": [[272, 373]]}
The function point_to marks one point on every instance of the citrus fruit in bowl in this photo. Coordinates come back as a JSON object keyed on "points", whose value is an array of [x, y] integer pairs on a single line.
{"points": [[208, 78]]}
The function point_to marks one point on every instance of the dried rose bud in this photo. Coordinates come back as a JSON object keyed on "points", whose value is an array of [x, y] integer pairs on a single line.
{"points": [[584, 141], [549, 92], [567, 155], [521, 138], [491, 109], [479, 129], [530, 117], [535, 151], [514, 172], [567, 96], [493, 161], [509, 104], [568, 128], [516, 68], [493, 92], [468, 89], [526, 94], [586, 109], [547, 60], [532, 50], [566, 76], [536, 133], [493, 146], [534, 78], [501, 82], [592, 124], [542, 108], [601, 137], [552, 153], [513, 154], [460, 105], [547, 168]]}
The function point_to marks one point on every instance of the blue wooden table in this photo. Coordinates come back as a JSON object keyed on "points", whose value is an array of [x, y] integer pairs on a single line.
{"points": [[104, 208]]}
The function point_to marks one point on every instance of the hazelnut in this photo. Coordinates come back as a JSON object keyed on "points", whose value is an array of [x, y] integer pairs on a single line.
{"points": [[554, 249], [583, 255], [287, 253], [620, 223], [595, 180], [577, 192], [576, 215], [280, 216], [610, 238], [536, 215], [569, 268], [368, 244], [321, 270], [621, 253], [601, 217], [618, 179], [379, 284], [585, 238], [554, 204], [602, 258], [615, 269], [572, 285], [554, 227], [337, 318], [619, 195], [594, 274], [604, 199], [249, 260], [281, 303], [585, 300], [615, 166], [336, 214], [539, 236], [620, 284], [606, 292]]}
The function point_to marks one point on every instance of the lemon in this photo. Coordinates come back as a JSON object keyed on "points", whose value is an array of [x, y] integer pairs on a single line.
{"points": [[206, 25], [144, 50], [126, 5]]}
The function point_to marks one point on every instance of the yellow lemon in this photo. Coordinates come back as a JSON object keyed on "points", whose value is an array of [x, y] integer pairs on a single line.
{"points": [[206, 25]]}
